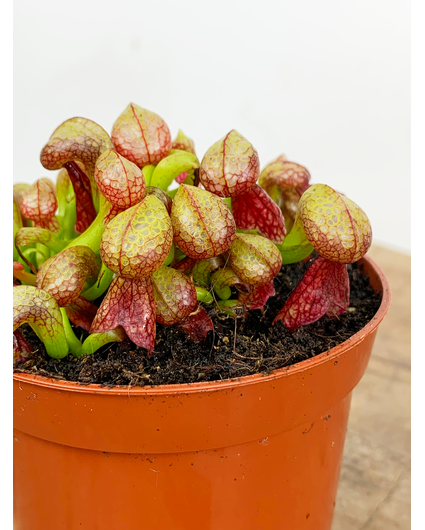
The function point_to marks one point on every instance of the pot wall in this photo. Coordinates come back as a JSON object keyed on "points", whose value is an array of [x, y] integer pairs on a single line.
{"points": [[258, 452]]}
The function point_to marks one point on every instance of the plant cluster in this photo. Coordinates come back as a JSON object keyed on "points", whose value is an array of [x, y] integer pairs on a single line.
{"points": [[111, 249]]}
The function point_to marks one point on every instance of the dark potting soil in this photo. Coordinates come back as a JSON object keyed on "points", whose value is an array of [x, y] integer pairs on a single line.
{"points": [[237, 347]]}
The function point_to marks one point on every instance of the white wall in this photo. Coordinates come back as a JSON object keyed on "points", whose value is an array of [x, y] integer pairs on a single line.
{"points": [[325, 82]]}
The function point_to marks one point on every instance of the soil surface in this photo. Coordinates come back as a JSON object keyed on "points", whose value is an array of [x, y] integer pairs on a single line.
{"points": [[237, 347]]}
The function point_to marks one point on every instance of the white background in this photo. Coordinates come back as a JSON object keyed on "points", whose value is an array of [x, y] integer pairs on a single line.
{"points": [[325, 82]]}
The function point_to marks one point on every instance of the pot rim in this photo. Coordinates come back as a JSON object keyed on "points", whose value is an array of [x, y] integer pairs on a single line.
{"points": [[214, 386]]}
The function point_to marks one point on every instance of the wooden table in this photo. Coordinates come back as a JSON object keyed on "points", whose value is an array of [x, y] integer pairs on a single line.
{"points": [[374, 490]]}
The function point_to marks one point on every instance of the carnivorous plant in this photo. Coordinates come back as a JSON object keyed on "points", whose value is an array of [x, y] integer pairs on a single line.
{"points": [[136, 231]]}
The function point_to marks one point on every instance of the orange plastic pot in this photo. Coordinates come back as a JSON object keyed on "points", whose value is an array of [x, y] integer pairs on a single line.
{"points": [[247, 454]]}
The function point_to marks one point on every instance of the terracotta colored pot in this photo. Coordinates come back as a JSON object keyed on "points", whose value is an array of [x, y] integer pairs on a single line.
{"points": [[246, 454]]}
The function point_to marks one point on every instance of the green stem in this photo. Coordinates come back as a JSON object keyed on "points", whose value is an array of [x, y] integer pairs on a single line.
{"points": [[29, 253], [103, 282], [228, 202], [223, 292], [227, 306], [170, 257], [42, 254], [147, 173], [56, 245], [221, 280], [93, 235], [295, 246], [74, 344], [96, 340], [96, 195], [62, 205], [172, 193], [171, 166], [69, 220], [204, 296]]}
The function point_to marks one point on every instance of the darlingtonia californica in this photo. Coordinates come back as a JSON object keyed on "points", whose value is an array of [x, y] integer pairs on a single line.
{"points": [[230, 166], [141, 136], [112, 249], [134, 245], [339, 230], [202, 223]]}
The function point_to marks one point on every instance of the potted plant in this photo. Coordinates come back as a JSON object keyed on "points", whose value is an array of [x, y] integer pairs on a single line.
{"points": [[110, 259]]}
